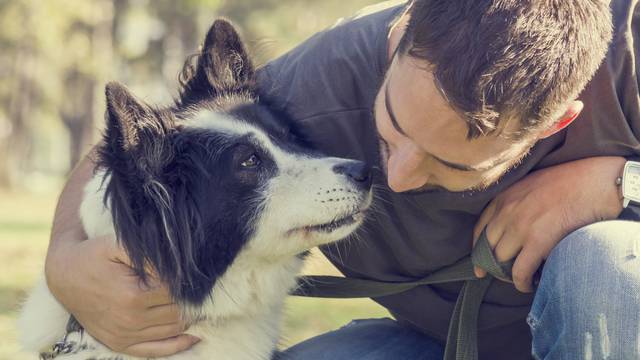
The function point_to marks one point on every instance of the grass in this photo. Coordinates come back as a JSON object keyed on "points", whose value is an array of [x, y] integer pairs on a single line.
{"points": [[24, 230]]}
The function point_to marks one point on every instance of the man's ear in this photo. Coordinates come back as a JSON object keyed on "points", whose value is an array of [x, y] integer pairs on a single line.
{"points": [[573, 110], [222, 67]]}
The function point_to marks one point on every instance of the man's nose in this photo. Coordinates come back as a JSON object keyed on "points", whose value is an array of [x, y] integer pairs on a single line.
{"points": [[405, 173]]}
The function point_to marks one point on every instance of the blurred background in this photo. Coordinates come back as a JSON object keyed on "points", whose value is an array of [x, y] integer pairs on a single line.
{"points": [[55, 58]]}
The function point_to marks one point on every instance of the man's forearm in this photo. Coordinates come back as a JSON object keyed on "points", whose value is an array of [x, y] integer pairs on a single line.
{"points": [[67, 227], [609, 169]]}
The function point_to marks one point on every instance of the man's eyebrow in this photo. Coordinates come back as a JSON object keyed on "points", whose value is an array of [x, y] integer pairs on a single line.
{"points": [[392, 116], [452, 165]]}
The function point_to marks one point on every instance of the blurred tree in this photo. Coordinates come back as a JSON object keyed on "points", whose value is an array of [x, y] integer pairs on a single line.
{"points": [[18, 88], [56, 55], [85, 71]]}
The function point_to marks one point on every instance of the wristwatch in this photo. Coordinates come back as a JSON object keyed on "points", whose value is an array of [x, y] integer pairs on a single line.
{"points": [[630, 182]]}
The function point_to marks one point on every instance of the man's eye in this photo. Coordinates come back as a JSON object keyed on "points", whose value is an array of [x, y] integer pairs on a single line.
{"points": [[251, 162]]}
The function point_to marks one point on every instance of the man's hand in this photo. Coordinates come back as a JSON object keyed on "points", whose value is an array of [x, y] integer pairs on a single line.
{"points": [[528, 219], [92, 280]]}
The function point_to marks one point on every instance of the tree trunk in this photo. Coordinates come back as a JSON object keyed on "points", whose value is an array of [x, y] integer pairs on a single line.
{"points": [[19, 140], [83, 88]]}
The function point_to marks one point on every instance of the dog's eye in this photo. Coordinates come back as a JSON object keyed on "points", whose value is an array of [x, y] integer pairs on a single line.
{"points": [[251, 162]]}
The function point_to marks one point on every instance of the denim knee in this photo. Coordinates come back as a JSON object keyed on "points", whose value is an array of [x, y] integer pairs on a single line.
{"points": [[603, 250], [588, 301]]}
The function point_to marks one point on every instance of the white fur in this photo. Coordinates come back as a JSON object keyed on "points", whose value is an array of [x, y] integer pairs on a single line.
{"points": [[241, 319]]}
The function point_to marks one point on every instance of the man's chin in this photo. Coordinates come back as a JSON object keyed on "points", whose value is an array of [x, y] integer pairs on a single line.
{"points": [[425, 189]]}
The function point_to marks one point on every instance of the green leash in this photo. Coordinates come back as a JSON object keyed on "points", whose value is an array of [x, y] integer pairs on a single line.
{"points": [[462, 338]]}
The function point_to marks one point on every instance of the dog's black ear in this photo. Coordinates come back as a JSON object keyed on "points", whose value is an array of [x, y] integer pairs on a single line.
{"points": [[223, 66], [224, 58], [131, 124], [126, 117], [135, 134]]}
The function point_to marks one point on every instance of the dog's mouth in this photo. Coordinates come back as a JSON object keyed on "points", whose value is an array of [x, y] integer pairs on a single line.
{"points": [[335, 224]]}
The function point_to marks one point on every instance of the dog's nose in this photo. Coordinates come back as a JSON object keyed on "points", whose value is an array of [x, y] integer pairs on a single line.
{"points": [[358, 171]]}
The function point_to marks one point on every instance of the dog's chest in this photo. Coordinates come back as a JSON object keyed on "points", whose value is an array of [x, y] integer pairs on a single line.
{"points": [[241, 318], [96, 218]]}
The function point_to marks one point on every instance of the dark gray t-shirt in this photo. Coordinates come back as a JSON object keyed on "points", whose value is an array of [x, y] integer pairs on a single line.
{"points": [[328, 85]]}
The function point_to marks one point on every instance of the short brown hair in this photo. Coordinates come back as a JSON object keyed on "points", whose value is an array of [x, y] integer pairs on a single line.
{"points": [[520, 59]]}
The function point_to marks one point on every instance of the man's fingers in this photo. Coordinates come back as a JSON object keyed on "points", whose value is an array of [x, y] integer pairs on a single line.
{"points": [[126, 338], [114, 251], [494, 237], [142, 295], [525, 266], [479, 272], [130, 321], [485, 218], [155, 293], [161, 348], [508, 247], [158, 332], [163, 314]]}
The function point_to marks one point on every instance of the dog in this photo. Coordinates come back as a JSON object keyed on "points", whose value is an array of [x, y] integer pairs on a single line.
{"points": [[220, 196]]}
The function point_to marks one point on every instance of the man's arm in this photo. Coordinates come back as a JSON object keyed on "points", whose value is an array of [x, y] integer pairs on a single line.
{"points": [[67, 228], [90, 277], [528, 219]]}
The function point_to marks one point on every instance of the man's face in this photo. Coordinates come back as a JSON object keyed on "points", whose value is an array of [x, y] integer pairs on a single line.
{"points": [[423, 140]]}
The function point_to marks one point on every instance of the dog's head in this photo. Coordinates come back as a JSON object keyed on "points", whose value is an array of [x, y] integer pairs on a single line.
{"points": [[193, 186]]}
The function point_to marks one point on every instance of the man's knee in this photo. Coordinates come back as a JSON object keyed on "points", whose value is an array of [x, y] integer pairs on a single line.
{"points": [[593, 263], [604, 247], [589, 283]]}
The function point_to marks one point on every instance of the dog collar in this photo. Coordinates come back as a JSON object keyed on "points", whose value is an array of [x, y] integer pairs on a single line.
{"points": [[71, 343]]}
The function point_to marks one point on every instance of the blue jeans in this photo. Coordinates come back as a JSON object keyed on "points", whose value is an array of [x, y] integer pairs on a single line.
{"points": [[587, 306]]}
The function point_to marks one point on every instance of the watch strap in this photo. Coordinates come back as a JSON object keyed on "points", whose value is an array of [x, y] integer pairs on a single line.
{"points": [[632, 210]]}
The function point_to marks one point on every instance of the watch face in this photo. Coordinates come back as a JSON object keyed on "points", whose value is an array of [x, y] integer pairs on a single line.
{"points": [[631, 181]]}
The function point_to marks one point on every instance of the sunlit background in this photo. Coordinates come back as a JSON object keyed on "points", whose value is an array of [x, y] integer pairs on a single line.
{"points": [[55, 58]]}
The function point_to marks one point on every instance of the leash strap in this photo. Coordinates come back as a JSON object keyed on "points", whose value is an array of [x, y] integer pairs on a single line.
{"points": [[462, 337], [65, 346]]}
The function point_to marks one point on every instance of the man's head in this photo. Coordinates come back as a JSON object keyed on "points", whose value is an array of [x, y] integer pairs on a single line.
{"points": [[472, 85]]}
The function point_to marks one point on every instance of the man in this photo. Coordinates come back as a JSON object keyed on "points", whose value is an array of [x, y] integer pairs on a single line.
{"points": [[472, 102]]}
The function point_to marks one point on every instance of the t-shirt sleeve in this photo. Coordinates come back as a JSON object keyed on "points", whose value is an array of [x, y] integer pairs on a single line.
{"points": [[610, 121]]}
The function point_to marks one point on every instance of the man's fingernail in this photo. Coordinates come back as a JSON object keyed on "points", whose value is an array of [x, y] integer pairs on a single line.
{"points": [[194, 339]]}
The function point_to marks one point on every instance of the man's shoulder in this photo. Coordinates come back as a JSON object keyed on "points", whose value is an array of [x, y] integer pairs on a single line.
{"points": [[371, 10], [336, 69], [610, 121]]}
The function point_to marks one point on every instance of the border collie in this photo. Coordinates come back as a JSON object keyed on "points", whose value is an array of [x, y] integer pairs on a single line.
{"points": [[219, 196]]}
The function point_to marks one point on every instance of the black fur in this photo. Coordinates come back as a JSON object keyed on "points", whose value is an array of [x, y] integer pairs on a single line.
{"points": [[177, 194], [223, 67]]}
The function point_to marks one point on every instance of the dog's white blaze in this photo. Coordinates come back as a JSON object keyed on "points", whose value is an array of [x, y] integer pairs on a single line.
{"points": [[218, 122], [305, 192], [241, 319]]}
